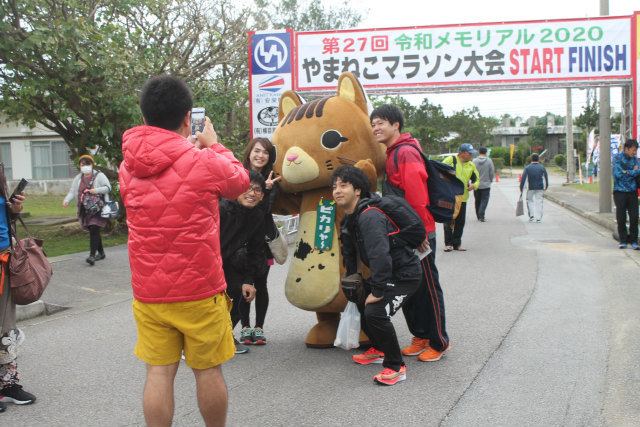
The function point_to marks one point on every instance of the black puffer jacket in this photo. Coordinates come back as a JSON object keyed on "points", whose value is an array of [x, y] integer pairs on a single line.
{"points": [[370, 230], [242, 239]]}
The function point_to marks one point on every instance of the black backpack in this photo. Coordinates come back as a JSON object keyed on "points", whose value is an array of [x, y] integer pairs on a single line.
{"points": [[445, 189], [411, 231]]}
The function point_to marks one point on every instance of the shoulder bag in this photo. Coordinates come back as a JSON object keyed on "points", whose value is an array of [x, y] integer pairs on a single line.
{"points": [[279, 247], [92, 203], [29, 269]]}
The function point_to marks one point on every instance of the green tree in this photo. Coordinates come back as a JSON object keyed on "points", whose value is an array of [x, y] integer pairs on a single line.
{"points": [[308, 15], [471, 127], [75, 66]]}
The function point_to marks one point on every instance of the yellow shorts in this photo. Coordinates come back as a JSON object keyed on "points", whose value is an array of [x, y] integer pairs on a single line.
{"points": [[201, 328]]}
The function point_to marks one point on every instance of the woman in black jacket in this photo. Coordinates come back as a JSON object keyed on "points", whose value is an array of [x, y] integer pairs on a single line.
{"points": [[259, 156]]}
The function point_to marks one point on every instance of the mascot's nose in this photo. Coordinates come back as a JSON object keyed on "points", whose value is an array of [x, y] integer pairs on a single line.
{"points": [[292, 157]]}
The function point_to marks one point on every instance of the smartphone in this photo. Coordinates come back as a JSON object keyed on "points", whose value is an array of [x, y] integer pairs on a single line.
{"points": [[197, 120], [19, 189]]}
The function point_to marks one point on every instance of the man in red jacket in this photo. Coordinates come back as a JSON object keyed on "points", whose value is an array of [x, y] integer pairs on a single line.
{"points": [[424, 311], [171, 184]]}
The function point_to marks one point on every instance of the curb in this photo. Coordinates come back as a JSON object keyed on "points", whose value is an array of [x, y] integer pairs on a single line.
{"points": [[593, 217]]}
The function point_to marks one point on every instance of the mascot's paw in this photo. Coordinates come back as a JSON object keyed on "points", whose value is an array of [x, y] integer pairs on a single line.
{"points": [[323, 334]]}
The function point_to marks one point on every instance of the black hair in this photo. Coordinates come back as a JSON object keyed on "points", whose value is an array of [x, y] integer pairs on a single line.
{"points": [[388, 112], [482, 150], [630, 143], [354, 176], [255, 176], [165, 101], [535, 157]]}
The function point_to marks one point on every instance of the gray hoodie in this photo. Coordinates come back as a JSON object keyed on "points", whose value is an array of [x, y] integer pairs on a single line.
{"points": [[486, 170]]}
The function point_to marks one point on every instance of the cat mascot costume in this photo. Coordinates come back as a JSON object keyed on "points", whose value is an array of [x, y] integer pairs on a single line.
{"points": [[312, 140]]}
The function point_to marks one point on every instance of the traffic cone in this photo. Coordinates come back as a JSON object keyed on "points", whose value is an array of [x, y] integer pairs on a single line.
{"points": [[591, 179], [520, 178], [497, 178]]}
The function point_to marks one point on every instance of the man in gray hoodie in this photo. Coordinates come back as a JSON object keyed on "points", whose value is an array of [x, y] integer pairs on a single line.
{"points": [[487, 171]]}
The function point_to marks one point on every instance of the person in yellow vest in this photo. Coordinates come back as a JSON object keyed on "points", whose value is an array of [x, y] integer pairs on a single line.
{"points": [[466, 172]]}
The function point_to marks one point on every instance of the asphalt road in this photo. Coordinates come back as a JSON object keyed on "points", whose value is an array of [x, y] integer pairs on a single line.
{"points": [[543, 320]]}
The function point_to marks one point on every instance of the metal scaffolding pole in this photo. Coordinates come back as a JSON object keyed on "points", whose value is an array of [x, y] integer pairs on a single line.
{"points": [[605, 137]]}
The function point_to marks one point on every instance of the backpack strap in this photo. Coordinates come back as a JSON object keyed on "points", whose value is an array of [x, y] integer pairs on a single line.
{"points": [[387, 216], [395, 152]]}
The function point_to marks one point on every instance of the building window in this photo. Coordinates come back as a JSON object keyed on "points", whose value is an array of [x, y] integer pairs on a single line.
{"points": [[5, 157], [49, 159]]}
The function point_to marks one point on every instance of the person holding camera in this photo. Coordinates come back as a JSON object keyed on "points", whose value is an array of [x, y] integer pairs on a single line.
{"points": [[395, 271], [171, 185], [89, 182], [10, 389]]}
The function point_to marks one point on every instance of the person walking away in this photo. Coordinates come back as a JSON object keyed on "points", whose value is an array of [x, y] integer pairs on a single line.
{"points": [[395, 272], [171, 185], [487, 171], [424, 312], [259, 156], [534, 173], [626, 169], [467, 173], [89, 181], [242, 247], [11, 390]]}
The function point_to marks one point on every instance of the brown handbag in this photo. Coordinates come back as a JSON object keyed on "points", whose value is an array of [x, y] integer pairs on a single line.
{"points": [[29, 270]]}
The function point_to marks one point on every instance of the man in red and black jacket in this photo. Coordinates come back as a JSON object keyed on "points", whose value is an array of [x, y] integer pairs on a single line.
{"points": [[424, 312]]}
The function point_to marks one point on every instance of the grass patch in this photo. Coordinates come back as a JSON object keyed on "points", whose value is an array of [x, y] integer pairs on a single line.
{"points": [[66, 238], [591, 187], [44, 205]]}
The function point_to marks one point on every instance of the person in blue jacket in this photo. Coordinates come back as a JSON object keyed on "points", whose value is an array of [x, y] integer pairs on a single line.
{"points": [[535, 173], [626, 169]]}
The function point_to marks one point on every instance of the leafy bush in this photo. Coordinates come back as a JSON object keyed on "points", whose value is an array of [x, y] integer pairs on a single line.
{"points": [[498, 163], [560, 160]]}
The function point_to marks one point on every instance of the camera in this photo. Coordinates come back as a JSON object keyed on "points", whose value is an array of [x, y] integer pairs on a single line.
{"points": [[197, 120]]}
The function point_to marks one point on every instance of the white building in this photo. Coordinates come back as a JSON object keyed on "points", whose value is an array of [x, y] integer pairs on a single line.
{"points": [[39, 155]]}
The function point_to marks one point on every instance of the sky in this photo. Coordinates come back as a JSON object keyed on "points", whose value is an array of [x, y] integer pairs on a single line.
{"points": [[408, 13]]}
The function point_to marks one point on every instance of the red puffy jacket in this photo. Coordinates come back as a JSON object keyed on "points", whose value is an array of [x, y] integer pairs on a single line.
{"points": [[171, 191], [411, 177]]}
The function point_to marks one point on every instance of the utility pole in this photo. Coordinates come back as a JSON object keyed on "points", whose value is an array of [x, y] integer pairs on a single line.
{"points": [[604, 183], [571, 170]]}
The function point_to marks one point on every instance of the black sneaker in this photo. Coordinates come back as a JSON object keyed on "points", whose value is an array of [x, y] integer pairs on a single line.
{"points": [[15, 394], [240, 349], [100, 256], [258, 336], [246, 335], [91, 260], [3, 406]]}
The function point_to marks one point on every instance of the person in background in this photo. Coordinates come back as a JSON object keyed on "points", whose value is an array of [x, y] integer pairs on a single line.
{"points": [[94, 182], [11, 390], [242, 247], [534, 173], [626, 169], [171, 185], [467, 173], [259, 156], [487, 171]]}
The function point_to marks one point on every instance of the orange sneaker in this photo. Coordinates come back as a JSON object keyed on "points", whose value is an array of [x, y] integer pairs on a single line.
{"points": [[390, 377], [370, 356], [431, 355], [418, 345]]}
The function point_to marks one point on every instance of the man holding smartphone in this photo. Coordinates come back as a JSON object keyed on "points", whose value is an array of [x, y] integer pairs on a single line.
{"points": [[171, 189]]}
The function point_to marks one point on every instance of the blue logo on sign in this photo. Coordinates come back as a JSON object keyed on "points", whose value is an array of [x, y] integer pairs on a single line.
{"points": [[271, 53]]}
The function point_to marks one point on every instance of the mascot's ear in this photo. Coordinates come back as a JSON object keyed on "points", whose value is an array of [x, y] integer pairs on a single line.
{"points": [[288, 101], [350, 88]]}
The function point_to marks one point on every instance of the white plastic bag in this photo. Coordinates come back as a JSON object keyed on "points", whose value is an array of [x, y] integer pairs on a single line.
{"points": [[348, 335]]}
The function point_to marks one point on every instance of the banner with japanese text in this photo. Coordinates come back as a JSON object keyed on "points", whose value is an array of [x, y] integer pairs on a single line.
{"points": [[270, 70], [597, 49]]}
